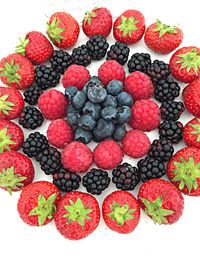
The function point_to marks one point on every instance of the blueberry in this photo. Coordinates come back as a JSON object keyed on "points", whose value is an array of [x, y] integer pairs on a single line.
{"points": [[124, 99], [103, 129], [86, 122], [110, 101], [72, 115], [83, 135], [115, 87], [92, 109], [96, 93], [119, 133], [79, 99], [109, 113], [70, 92], [93, 81], [123, 114]]}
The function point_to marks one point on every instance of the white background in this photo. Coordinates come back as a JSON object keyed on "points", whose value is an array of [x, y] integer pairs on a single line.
{"points": [[149, 244]]}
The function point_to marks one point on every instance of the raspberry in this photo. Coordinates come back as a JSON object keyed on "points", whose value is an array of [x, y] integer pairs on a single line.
{"points": [[53, 104], [139, 85], [145, 115], [136, 144], [108, 154], [77, 157], [76, 76], [60, 133], [111, 70]]}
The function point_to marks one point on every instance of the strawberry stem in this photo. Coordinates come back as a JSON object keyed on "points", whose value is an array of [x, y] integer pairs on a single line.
{"points": [[5, 106], [21, 48], [128, 25], [10, 71], [54, 31], [190, 60], [5, 140], [163, 28]]}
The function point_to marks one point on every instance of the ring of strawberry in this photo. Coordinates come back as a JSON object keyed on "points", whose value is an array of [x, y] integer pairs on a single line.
{"points": [[16, 171], [161, 201], [77, 215], [191, 133], [37, 203], [121, 212]]}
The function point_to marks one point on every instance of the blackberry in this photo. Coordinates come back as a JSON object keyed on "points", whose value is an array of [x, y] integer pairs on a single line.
{"points": [[150, 168], [139, 62], [34, 144], [161, 149], [125, 177], [96, 181], [171, 130], [60, 61], [167, 89], [97, 46], [81, 56], [158, 70], [46, 77], [32, 94], [119, 52], [31, 118], [171, 110], [66, 181], [50, 160]]}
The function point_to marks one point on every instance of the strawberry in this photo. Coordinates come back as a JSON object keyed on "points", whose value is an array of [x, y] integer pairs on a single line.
{"points": [[97, 21], [185, 64], [183, 170], [63, 30], [16, 171], [77, 215], [11, 136], [37, 203], [121, 212], [161, 201], [35, 47], [129, 27], [191, 133], [11, 103], [162, 38]]}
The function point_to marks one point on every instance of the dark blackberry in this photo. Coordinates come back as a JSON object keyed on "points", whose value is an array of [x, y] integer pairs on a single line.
{"points": [[171, 110], [46, 77], [167, 89], [96, 181], [171, 130], [161, 149], [66, 181], [60, 61], [81, 56], [125, 177], [32, 94], [97, 46], [150, 168], [139, 62], [158, 70], [34, 144], [31, 118], [119, 52], [50, 160]]}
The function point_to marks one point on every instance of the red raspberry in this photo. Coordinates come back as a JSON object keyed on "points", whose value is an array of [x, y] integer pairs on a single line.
{"points": [[139, 85], [60, 133], [145, 115], [108, 154], [77, 157], [111, 70], [53, 104], [136, 144], [76, 76]]}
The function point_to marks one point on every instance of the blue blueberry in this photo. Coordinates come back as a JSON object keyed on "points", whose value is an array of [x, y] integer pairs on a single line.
{"points": [[119, 133], [123, 114], [70, 92], [79, 99], [86, 122], [92, 109], [115, 87], [83, 135], [110, 101], [103, 129], [124, 99], [109, 113], [72, 115], [96, 93], [94, 80]]}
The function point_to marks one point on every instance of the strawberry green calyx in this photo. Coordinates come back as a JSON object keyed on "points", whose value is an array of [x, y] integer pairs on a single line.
{"points": [[45, 208], [155, 210], [128, 25], [163, 28], [21, 48], [10, 71], [190, 60], [54, 31], [197, 130], [121, 214], [187, 173], [5, 106], [77, 212], [5, 140], [89, 16]]}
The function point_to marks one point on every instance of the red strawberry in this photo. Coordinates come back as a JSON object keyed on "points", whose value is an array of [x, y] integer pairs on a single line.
{"points": [[185, 64], [161, 201], [36, 47], [11, 103], [191, 133], [129, 27], [11, 136], [97, 21], [16, 171], [162, 38], [37, 203], [121, 212], [63, 30], [77, 215]]}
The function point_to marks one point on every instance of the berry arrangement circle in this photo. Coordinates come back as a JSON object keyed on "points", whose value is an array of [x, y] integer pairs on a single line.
{"points": [[113, 109]]}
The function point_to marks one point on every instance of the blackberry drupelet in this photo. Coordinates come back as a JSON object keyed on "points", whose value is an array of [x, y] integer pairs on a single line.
{"points": [[119, 52], [32, 94], [97, 47], [66, 181], [150, 168], [96, 181], [139, 62], [171, 130], [81, 56], [46, 77], [34, 144], [60, 61], [125, 177], [167, 89], [158, 70], [31, 118], [171, 110], [161, 149]]}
